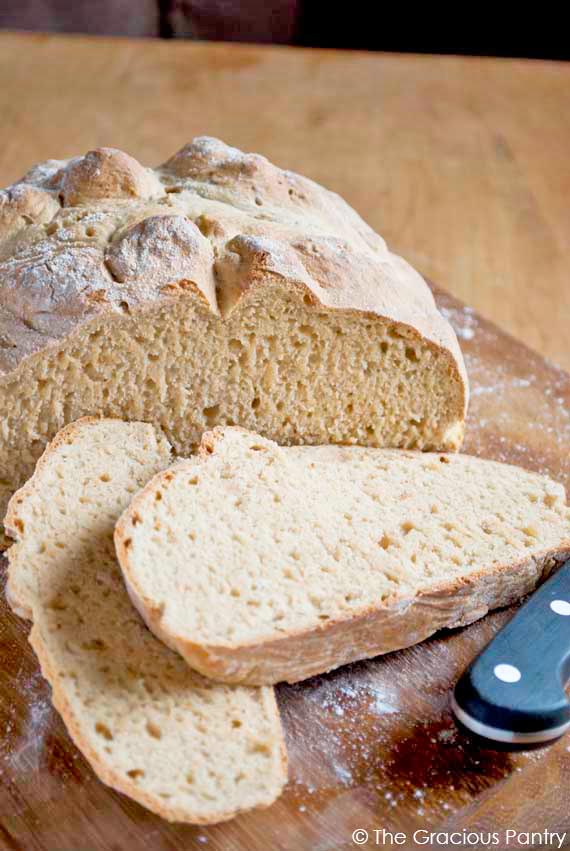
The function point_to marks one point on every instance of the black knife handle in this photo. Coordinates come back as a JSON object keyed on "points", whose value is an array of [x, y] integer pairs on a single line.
{"points": [[513, 693]]}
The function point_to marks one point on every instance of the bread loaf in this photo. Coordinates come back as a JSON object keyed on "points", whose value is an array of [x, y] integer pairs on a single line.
{"points": [[180, 745], [215, 289], [260, 563]]}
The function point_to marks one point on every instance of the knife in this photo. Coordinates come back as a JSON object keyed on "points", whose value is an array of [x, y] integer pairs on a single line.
{"points": [[513, 694]]}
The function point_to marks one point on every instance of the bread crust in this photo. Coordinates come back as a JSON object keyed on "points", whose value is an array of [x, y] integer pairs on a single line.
{"points": [[102, 769], [363, 634], [118, 782], [101, 233], [370, 631], [14, 596], [16, 601]]}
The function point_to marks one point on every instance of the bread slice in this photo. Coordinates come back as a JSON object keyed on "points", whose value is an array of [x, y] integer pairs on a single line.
{"points": [[215, 289], [260, 563], [182, 746]]}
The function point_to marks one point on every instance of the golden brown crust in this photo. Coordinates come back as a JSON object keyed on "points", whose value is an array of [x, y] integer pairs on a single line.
{"points": [[127, 236], [364, 634], [107, 174], [373, 630], [118, 781], [22, 205], [12, 521], [102, 769]]}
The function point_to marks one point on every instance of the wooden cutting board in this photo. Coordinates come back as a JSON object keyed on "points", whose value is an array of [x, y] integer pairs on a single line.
{"points": [[371, 746]]}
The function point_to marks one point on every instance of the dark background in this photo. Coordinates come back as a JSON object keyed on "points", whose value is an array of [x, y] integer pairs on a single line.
{"points": [[310, 23]]}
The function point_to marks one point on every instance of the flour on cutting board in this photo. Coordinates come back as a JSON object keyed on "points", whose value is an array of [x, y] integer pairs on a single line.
{"points": [[335, 740], [29, 740], [522, 394], [464, 321], [338, 697]]}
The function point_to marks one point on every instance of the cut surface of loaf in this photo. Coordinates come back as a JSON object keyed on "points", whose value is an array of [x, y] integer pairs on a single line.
{"points": [[186, 748], [261, 563], [215, 289]]}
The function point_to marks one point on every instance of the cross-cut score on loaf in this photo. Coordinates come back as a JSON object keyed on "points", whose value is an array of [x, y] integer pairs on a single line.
{"points": [[261, 563], [184, 747], [215, 289]]}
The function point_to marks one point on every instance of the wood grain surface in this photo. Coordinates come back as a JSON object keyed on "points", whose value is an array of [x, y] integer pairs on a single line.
{"points": [[462, 164], [372, 745]]}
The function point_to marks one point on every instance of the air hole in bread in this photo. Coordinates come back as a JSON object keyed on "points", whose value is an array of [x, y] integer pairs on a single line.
{"points": [[135, 773], [103, 731], [94, 644], [411, 354], [235, 346], [531, 531], [211, 414], [153, 730]]}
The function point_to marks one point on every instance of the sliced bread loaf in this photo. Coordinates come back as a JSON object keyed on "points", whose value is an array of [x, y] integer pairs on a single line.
{"points": [[184, 747], [260, 563], [217, 288]]}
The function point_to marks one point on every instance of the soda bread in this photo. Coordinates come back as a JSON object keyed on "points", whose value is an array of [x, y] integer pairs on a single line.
{"points": [[184, 747], [215, 289], [260, 563]]}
